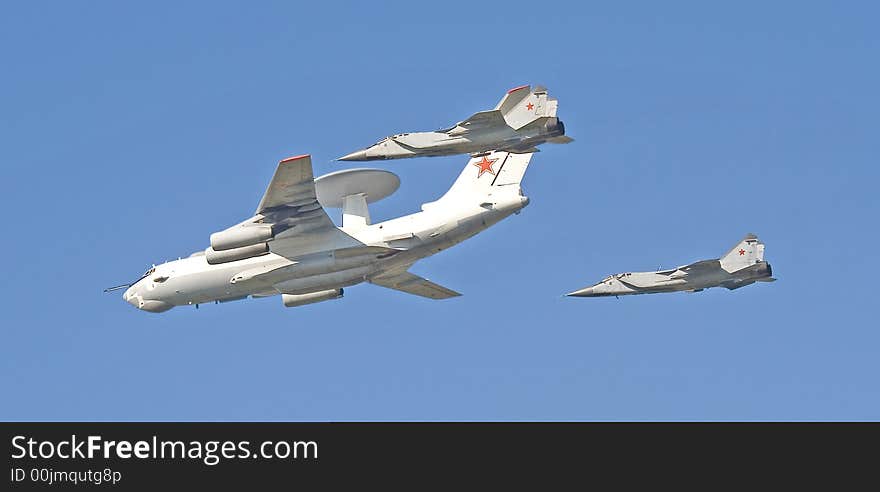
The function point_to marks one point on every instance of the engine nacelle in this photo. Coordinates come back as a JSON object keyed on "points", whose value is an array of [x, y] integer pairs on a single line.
{"points": [[239, 236], [293, 300], [216, 257]]}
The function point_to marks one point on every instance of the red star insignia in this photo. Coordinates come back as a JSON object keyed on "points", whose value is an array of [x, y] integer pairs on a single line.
{"points": [[742, 252], [485, 166], [529, 106]]}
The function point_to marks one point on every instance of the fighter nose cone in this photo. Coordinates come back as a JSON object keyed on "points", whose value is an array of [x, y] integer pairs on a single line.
{"points": [[585, 292], [358, 155]]}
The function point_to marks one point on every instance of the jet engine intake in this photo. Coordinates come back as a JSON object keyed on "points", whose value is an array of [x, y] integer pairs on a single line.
{"points": [[294, 300], [239, 236], [215, 257]]}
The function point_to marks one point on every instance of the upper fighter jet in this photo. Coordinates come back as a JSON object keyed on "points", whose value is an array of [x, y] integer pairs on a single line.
{"points": [[291, 248], [523, 119], [743, 265]]}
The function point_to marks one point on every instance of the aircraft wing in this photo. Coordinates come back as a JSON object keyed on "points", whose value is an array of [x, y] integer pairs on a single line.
{"points": [[289, 218], [292, 185], [413, 284], [290, 201], [290, 205], [483, 119], [701, 267]]}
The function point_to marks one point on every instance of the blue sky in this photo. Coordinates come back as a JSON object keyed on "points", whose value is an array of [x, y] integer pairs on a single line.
{"points": [[130, 133]]}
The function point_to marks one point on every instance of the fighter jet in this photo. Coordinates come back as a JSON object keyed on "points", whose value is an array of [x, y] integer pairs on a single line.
{"points": [[522, 120], [290, 247], [743, 265]]}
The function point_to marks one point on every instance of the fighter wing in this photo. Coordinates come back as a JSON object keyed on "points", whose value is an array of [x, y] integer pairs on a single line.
{"points": [[413, 284], [702, 266], [483, 119]]}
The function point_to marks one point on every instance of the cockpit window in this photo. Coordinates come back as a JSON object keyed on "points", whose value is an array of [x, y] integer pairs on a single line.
{"points": [[160, 279], [145, 275]]}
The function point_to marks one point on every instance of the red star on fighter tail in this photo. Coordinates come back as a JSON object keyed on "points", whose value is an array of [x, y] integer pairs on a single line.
{"points": [[742, 252], [529, 106], [485, 166]]}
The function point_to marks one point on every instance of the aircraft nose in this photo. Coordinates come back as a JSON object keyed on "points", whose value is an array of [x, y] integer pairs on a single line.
{"points": [[358, 155], [585, 292], [130, 297]]}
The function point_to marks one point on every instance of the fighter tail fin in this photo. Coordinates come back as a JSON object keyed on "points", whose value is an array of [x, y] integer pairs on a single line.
{"points": [[522, 105], [493, 173], [746, 253]]}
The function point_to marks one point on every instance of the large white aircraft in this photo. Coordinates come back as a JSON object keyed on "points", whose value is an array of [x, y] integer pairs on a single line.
{"points": [[292, 248]]}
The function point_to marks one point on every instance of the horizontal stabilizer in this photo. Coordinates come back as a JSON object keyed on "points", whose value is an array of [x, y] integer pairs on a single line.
{"points": [[562, 139], [737, 284], [413, 284]]}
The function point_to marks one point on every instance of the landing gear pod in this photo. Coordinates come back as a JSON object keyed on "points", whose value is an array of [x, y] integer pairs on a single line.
{"points": [[294, 300]]}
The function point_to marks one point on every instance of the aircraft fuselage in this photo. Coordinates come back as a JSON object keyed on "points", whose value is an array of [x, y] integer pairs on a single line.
{"points": [[193, 280], [450, 142], [675, 281]]}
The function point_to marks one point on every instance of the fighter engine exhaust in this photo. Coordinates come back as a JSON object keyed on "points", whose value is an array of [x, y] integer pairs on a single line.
{"points": [[554, 127]]}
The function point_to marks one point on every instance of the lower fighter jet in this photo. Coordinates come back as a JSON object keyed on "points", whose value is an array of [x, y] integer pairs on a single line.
{"points": [[292, 248], [522, 120], [743, 265]]}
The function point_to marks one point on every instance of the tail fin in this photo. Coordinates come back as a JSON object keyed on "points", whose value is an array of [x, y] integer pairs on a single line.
{"points": [[746, 253], [494, 173], [521, 106]]}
